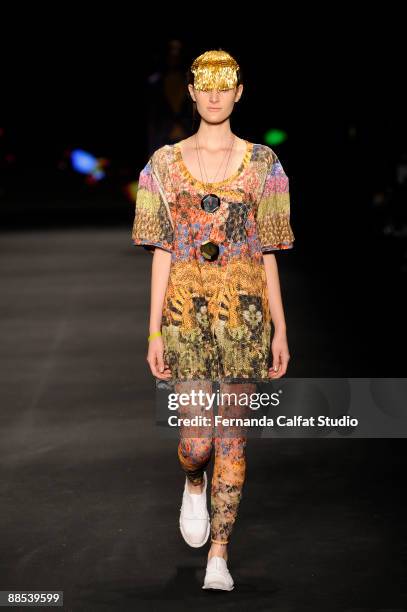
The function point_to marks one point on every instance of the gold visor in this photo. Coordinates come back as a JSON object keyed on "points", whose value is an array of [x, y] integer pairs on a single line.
{"points": [[215, 70]]}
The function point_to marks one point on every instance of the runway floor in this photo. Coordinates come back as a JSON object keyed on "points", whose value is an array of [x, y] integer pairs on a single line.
{"points": [[90, 495]]}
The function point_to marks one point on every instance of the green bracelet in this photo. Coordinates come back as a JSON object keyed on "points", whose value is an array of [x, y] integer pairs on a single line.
{"points": [[154, 335]]}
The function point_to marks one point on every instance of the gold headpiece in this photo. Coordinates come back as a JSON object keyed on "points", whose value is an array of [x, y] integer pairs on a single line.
{"points": [[215, 70]]}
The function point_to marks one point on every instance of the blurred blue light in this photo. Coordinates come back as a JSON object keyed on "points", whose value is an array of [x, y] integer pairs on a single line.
{"points": [[83, 162]]}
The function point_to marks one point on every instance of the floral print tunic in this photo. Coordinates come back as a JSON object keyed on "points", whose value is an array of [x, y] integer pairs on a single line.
{"points": [[216, 322]]}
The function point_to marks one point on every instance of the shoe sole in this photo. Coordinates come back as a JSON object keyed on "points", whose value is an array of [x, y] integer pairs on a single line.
{"points": [[218, 586], [192, 544]]}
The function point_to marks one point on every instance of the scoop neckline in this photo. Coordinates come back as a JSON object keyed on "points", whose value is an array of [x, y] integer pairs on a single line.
{"points": [[243, 165]]}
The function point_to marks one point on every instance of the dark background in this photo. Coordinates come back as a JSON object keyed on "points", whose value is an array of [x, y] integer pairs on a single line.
{"points": [[340, 103], [84, 474]]}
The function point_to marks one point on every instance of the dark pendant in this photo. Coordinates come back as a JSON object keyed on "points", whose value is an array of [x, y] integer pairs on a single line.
{"points": [[210, 203], [210, 250]]}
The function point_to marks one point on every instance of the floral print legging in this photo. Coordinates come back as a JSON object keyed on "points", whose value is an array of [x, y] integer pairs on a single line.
{"points": [[229, 444]]}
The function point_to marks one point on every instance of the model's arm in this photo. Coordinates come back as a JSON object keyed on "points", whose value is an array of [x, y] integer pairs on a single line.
{"points": [[160, 271], [279, 345]]}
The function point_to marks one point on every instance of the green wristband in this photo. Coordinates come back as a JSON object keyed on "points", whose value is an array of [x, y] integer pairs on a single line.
{"points": [[154, 335]]}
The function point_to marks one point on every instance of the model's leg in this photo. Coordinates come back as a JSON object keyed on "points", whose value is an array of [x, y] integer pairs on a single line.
{"points": [[194, 453], [195, 445], [229, 468]]}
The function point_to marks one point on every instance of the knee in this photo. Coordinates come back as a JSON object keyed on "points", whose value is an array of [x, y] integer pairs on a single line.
{"points": [[231, 449], [195, 451]]}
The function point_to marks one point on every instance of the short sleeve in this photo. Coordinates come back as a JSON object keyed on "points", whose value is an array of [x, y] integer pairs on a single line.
{"points": [[273, 210], [152, 225]]}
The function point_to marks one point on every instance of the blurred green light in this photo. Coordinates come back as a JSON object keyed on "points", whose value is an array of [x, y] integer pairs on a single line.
{"points": [[275, 137]]}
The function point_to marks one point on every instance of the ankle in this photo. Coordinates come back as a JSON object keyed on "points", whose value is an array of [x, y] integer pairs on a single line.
{"points": [[195, 489], [218, 550]]}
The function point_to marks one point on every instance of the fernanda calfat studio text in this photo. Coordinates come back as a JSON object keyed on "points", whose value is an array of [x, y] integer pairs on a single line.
{"points": [[263, 421]]}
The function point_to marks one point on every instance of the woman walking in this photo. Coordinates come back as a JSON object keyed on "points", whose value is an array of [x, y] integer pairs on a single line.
{"points": [[212, 208]]}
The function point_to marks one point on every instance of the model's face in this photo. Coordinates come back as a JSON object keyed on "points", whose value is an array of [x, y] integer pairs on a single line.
{"points": [[215, 106]]}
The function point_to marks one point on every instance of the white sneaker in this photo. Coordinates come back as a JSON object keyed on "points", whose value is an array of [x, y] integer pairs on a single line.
{"points": [[217, 575], [194, 520]]}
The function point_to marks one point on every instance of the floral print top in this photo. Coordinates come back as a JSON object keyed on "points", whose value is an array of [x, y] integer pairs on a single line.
{"points": [[216, 322]]}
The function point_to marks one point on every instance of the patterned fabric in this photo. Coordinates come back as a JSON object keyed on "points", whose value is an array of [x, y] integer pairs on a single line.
{"points": [[216, 320], [229, 446]]}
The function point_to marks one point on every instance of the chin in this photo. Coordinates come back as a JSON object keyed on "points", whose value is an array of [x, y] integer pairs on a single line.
{"points": [[214, 119]]}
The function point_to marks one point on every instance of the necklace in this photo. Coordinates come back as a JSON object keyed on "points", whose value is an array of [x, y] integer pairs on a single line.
{"points": [[211, 202]]}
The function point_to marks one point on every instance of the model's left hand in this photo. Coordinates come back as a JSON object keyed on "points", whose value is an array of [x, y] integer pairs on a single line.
{"points": [[281, 355]]}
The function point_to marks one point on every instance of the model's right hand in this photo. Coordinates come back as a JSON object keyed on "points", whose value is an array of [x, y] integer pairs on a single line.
{"points": [[155, 358]]}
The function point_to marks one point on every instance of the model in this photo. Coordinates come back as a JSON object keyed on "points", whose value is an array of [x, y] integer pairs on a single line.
{"points": [[212, 209]]}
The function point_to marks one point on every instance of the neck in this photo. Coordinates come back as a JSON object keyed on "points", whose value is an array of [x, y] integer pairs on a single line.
{"points": [[214, 136]]}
